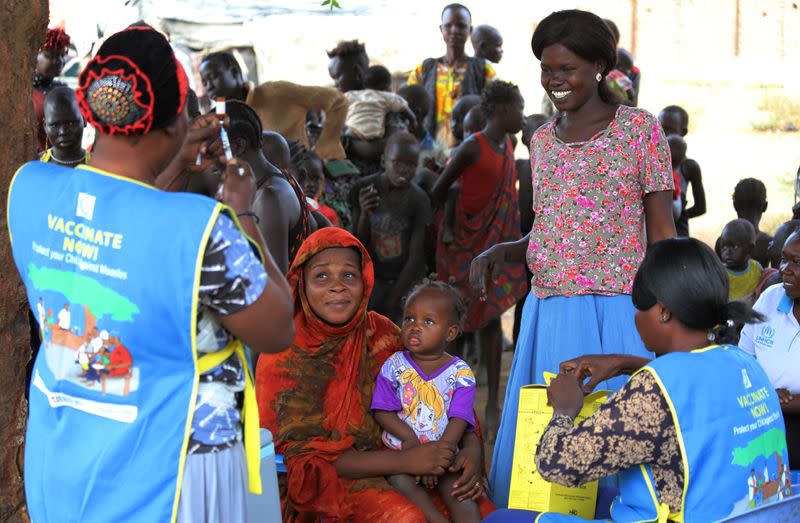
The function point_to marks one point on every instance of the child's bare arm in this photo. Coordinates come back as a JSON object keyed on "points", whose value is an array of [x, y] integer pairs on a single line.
{"points": [[467, 154], [396, 427], [454, 431], [694, 178]]}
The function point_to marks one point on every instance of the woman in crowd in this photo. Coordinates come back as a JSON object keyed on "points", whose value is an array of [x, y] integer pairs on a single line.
{"points": [[773, 341], [173, 277], [601, 170], [674, 461], [453, 75], [315, 398]]}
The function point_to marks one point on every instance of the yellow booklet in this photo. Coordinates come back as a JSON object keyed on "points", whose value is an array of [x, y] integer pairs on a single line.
{"points": [[529, 491]]}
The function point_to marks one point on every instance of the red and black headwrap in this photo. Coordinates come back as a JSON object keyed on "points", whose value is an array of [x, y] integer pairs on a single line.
{"points": [[56, 40], [133, 85]]}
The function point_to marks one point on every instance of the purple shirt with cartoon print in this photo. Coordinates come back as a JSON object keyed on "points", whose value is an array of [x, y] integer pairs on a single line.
{"points": [[425, 403]]}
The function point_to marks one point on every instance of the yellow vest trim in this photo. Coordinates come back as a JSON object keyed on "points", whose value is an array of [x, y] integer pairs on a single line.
{"points": [[252, 435]]}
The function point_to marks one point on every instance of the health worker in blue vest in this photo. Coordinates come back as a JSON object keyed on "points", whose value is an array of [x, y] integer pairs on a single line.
{"points": [[695, 435], [143, 409]]}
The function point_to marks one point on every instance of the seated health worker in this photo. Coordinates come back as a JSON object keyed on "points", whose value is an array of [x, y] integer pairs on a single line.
{"points": [[675, 460]]}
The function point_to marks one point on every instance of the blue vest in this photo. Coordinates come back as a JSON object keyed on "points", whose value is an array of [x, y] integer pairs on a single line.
{"points": [[731, 434], [108, 444]]}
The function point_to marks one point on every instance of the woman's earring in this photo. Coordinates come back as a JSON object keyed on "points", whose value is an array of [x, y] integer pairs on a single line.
{"points": [[664, 317], [598, 77]]}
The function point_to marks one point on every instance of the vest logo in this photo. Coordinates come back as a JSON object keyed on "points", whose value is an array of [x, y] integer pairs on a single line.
{"points": [[746, 380], [85, 207], [767, 337]]}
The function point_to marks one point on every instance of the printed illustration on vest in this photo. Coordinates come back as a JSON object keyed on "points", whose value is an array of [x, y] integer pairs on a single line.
{"points": [[769, 479], [81, 345]]}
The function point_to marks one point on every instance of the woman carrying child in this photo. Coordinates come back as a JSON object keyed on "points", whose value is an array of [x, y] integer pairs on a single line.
{"points": [[316, 397], [486, 214], [675, 461], [601, 170]]}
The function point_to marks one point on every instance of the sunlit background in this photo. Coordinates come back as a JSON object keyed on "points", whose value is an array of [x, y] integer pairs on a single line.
{"points": [[731, 63]]}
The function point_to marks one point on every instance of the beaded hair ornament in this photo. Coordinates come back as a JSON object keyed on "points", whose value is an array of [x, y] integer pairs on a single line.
{"points": [[117, 97]]}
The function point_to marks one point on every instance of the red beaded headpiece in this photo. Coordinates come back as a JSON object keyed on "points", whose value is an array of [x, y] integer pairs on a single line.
{"points": [[127, 88]]}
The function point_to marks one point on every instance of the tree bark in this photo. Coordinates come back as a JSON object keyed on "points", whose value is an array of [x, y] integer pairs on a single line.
{"points": [[22, 24]]}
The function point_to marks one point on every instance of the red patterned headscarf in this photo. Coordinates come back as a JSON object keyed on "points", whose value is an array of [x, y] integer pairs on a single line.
{"points": [[133, 85], [315, 396]]}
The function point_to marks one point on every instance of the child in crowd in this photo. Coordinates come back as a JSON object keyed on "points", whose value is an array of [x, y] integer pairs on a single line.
{"points": [[677, 149], [750, 203], [746, 274], [474, 121], [432, 154], [63, 125], [307, 169], [378, 78], [486, 214], [675, 120], [488, 43], [367, 109], [390, 215], [424, 394], [460, 110]]}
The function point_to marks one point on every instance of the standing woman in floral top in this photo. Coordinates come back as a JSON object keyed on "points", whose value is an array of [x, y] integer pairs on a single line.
{"points": [[601, 171]]}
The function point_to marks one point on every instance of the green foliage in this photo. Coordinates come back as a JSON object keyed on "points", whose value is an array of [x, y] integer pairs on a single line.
{"points": [[331, 4], [780, 112]]}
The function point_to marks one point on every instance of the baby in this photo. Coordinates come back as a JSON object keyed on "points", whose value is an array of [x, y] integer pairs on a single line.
{"points": [[424, 394], [746, 275]]}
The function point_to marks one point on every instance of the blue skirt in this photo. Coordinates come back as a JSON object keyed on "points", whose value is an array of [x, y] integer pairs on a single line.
{"points": [[554, 330]]}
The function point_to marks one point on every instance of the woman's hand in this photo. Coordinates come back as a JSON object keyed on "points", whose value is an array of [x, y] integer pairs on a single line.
{"points": [[202, 140], [470, 484], [487, 265], [430, 459], [784, 396], [565, 394], [601, 367], [238, 190]]}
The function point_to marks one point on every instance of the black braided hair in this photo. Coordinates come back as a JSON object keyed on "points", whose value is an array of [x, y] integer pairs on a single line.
{"points": [[498, 93], [244, 123]]}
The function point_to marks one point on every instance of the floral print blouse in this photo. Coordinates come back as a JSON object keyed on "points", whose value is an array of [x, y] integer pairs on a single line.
{"points": [[588, 236]]}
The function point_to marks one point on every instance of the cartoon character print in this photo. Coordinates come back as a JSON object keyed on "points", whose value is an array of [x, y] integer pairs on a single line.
{"points": [[425, 405]]}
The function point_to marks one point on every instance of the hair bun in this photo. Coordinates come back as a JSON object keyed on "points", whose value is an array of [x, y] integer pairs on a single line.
{"points": [[115, 96]]}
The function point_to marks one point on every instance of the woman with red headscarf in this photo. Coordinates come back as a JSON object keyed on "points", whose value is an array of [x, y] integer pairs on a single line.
{"points": [[315, 397]]}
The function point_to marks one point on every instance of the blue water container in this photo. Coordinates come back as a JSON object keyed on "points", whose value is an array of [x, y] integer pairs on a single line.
{"points": [[265, 508]]}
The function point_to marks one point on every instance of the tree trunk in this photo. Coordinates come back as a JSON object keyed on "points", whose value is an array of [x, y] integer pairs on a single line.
{"points": [[22, 24]]}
